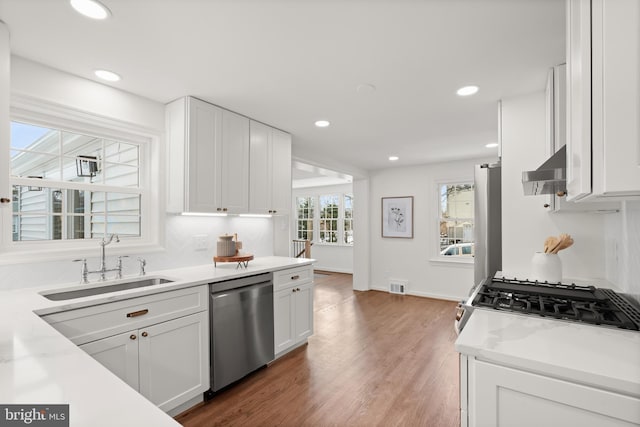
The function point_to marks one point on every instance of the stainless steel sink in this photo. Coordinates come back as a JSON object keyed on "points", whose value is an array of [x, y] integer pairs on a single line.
{"points": [[104, 289]]}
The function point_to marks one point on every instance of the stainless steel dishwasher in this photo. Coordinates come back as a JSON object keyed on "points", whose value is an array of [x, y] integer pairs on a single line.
{"points": [[241, 316]]}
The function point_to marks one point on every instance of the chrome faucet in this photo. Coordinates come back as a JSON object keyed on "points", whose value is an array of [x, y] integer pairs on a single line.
{"points": [[103, 264]]}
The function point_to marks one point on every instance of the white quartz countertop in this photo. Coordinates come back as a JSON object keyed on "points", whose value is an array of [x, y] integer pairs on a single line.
{"points": [[603, 357], [40, 366]]}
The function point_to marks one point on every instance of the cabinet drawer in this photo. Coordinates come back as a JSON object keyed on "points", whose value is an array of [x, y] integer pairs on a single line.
{"points": [[92, 323], [285, 278]]}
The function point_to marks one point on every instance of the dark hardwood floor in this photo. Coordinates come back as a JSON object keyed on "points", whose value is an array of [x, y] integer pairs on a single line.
{"points": [[375, 359]]}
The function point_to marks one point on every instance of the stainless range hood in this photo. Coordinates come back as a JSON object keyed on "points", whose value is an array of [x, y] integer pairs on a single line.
{"points": [[549, 178]]}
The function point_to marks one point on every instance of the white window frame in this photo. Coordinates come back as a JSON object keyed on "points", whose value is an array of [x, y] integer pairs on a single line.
{"points": [[316, 217], [444, 258], [43, 113], [297, 218]]}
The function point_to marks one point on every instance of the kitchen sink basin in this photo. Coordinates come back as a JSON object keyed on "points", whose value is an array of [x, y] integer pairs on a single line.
{"points": [[81, 292]]}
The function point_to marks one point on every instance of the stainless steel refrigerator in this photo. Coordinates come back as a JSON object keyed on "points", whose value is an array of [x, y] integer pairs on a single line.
{"points": [[488, 221]]}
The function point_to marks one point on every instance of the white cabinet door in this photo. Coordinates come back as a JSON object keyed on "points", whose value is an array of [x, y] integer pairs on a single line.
{"points": [[173, 366], [203, 142], [270, 178], [578, 99], [283, 316], [501, 396], [281, 172], [616, 97], [260, 161], [193, 152], [119, 354], [303, 311], [234, 163], [603, 112], [292, 308]]}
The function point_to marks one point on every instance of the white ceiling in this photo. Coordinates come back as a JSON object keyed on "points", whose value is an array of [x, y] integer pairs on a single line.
{"points": [[289, 63]]}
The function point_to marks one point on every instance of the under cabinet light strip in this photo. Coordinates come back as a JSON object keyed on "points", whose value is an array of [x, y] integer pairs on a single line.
{"points": [[202, 214]]}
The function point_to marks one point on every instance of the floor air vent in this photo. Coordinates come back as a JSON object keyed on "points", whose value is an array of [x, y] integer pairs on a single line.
{"points": [[398, 286]]}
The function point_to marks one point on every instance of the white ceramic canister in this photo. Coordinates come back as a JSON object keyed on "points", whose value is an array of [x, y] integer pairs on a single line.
{"points": [[546, 267], [226, 246]]}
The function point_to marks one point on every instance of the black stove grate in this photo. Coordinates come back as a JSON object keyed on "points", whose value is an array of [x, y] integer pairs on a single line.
{"points": [[562, 301]]}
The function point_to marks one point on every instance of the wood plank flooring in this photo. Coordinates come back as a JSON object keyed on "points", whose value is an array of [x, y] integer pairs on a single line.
{"points": [[375, 359]]}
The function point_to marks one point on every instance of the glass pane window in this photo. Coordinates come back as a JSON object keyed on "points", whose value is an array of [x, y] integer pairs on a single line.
{"points": [[328, 218], [329, 215], [456, 219], [72, 157], [107, 197], [348, 219], [305, 213]]}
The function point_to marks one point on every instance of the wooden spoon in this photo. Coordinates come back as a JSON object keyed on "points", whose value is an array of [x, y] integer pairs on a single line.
{"points": [[549, 243], [565, 242], [558, 241]]}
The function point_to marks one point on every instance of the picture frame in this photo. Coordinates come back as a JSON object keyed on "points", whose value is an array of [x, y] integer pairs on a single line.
{"points": [[397, 217]]}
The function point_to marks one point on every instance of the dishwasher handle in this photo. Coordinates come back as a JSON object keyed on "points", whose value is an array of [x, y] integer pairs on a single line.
{"points": [[241, 282]]}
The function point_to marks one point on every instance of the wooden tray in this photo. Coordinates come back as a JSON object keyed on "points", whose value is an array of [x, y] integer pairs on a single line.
{"points": [[241, 259]]}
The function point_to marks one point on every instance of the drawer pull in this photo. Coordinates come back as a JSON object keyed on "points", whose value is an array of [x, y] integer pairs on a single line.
{"points": [[144, 334], [138, 313], [296, 277], [132, 337]]}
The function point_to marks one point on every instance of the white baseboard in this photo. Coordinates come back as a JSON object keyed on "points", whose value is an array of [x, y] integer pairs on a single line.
{"points": [[332, 270]]}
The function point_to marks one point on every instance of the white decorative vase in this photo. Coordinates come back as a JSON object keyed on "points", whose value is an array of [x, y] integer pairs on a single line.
{"points": [[546, 267]]}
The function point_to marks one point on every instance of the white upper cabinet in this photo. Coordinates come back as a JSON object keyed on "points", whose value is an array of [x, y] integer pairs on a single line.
{"points": [[208, 158], [603, 109], [234, 164], [193, 148], [270, 171], [223, 162]]}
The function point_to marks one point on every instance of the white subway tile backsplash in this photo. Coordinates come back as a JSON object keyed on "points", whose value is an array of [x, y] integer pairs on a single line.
{"points": [[256, 235]]}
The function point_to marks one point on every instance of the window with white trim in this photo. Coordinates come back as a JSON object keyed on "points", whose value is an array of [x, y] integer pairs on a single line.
{"points": [[76, 176], [304, 221], [456, 219], [326, 219], [329, 216], [68, 185], [348, 219]]}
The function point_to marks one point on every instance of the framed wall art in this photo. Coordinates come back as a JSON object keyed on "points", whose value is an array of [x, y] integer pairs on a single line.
{"points": [[397, 217]]}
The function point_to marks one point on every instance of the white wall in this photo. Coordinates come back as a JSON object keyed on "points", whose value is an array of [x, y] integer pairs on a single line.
{"points": [[338, 258], [525, 222], [415, 259], [34, 80], [361, 235], [622, 246]]}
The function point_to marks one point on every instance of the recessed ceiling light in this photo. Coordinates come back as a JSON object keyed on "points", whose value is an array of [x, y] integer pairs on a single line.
{"points": [[491, 145], [91, 8], [393, 158], [322, 123], [467, 90], [109, 76]]}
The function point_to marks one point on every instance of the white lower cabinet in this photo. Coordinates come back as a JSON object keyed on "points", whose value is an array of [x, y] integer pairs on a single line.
{"points": [[119, 354], [503, 396], [172, 363], [292, 308], [164, 362], [163, 353]]}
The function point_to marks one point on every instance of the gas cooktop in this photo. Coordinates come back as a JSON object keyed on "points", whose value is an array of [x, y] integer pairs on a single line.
{"points": [[586, 304]]}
